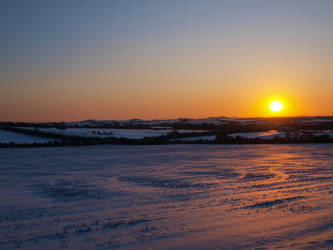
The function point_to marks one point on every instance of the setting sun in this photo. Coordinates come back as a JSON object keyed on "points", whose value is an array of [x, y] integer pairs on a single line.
{"points": [[276, 106]]}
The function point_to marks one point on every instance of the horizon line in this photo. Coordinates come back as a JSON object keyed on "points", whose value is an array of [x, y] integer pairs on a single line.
{"points": [[179, 118]]}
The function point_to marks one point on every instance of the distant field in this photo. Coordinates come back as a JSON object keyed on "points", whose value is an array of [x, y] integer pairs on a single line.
{"points": [[219, 130], [104, 132], [183, 135], [19, 138]]}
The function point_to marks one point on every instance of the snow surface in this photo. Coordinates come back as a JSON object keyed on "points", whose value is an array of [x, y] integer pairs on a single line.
{"points": [[19, 138], [273, 133], [104, 132], [330, 134], [167, 197], [264, 135], [197, 138]]}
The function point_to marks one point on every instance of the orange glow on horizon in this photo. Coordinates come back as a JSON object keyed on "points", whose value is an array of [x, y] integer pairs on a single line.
{"points": [[277, 104]]}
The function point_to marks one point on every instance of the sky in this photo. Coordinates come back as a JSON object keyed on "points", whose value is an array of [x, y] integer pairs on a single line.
{"points": [[70, 60]]}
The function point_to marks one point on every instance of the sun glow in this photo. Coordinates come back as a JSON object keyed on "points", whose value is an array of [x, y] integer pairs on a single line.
{"points": [[276, 106]]}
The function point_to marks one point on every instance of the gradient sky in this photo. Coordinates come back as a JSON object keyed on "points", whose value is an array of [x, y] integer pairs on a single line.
{"points": [[75, 60]]}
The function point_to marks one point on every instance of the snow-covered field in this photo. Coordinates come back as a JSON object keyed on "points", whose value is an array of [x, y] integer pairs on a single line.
{"points": [[104, 132], [112, 132], [274, 133], [264, 135], [329, 133], [19, 138], [168, 196], [197, 138]]}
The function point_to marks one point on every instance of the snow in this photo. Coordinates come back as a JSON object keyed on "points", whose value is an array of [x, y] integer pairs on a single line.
{"points": [[264, 135], [197, 138], [330, 134], [105, 132], [273, 133], [318, 121], [167, 197], [101, 132], [18, 138]]}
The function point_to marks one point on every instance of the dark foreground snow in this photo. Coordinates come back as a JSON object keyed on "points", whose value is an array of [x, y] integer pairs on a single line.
{"points": [[177, 196]]}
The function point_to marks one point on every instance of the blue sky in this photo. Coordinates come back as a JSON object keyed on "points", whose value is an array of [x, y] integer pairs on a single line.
{"points": [[69, 60]]}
